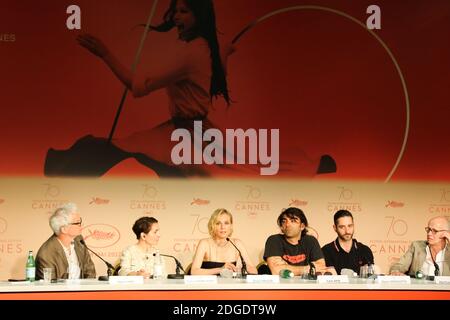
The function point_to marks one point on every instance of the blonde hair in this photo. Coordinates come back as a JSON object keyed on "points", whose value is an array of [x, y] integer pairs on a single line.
{"points": [[215, 217]]}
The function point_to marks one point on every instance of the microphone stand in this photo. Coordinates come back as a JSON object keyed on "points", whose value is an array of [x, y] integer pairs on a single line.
{"points": [[244, 271], [109, 265], [177, 274], [436, 266]]}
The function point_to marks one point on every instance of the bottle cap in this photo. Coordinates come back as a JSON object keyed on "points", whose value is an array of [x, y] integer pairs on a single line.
{"points": [[286, 274]]}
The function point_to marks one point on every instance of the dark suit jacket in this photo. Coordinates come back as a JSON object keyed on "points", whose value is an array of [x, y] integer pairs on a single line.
{"points": [[51, 255]]}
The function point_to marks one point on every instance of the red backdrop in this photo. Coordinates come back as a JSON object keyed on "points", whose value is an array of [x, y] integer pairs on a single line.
{"points": [[322, 79]]}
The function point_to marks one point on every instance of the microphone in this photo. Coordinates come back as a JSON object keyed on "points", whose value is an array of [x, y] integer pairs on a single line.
{"points": [[312, 272], [436, 269], [109, 265], [244, 271], [178, 275], [436, 266]]}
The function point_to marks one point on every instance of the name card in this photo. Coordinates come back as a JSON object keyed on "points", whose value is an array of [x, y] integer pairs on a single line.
{"points": [[393, 279], [262, 278], [332, 279], [200, 279], [126, 280], [20, 282], [442, 279]]}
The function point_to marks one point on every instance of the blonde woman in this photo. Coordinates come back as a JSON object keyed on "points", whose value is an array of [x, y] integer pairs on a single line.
{"points": [[217, 253]]}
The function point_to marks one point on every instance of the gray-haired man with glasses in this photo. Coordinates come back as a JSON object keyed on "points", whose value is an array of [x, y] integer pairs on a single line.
{"points": [[430, 257], [63, 251]]}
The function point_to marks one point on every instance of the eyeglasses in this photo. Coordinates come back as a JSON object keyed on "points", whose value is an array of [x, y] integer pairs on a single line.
{"points": [[433, 231], [76, 223]]}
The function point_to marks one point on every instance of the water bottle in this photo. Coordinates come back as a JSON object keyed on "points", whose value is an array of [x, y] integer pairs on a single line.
{"points": [[30, 268], [157, 266], [370, 270], [420, 275], [286, 274]]}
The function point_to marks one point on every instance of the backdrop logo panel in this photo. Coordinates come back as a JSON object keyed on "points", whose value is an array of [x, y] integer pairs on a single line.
{"points": [[254, 203], [199, 224], [394, 204], [441, 207], [50, 200], [11, 246], [101, 235], [297, 203], [198, 228], [149, 202], [200, 202], [394, 243], [345, 201], [52, 191], [99, 201], [8, 246]]}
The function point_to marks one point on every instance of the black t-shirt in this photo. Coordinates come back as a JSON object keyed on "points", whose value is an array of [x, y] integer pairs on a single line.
{"points": [[301, 254], [337, 257]]}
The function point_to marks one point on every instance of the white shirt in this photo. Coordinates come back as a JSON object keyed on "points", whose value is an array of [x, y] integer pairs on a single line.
{"points": [[134, 259], [73, 270], [428, 265]]}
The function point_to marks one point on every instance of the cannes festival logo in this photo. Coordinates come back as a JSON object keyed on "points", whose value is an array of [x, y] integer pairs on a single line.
{"points": [[149, 201], [253, 203], [443, 206], [200, 202], [149, 192], [100, 235], [345, 201], [99, 201], [445, 195], [394, 204], [395, 242], [51, 191], [297, 203], [50, 201]]}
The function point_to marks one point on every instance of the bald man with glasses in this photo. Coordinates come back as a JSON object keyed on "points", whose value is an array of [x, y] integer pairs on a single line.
{"points": [[430, 257], [63, 251]]}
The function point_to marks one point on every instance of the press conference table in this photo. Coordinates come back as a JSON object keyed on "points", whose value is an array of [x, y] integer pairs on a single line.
{"points": [[225, 289]]}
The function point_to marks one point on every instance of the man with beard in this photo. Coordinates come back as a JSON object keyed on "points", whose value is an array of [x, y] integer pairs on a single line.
{"points": [[294, 249], [346, 252]]}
